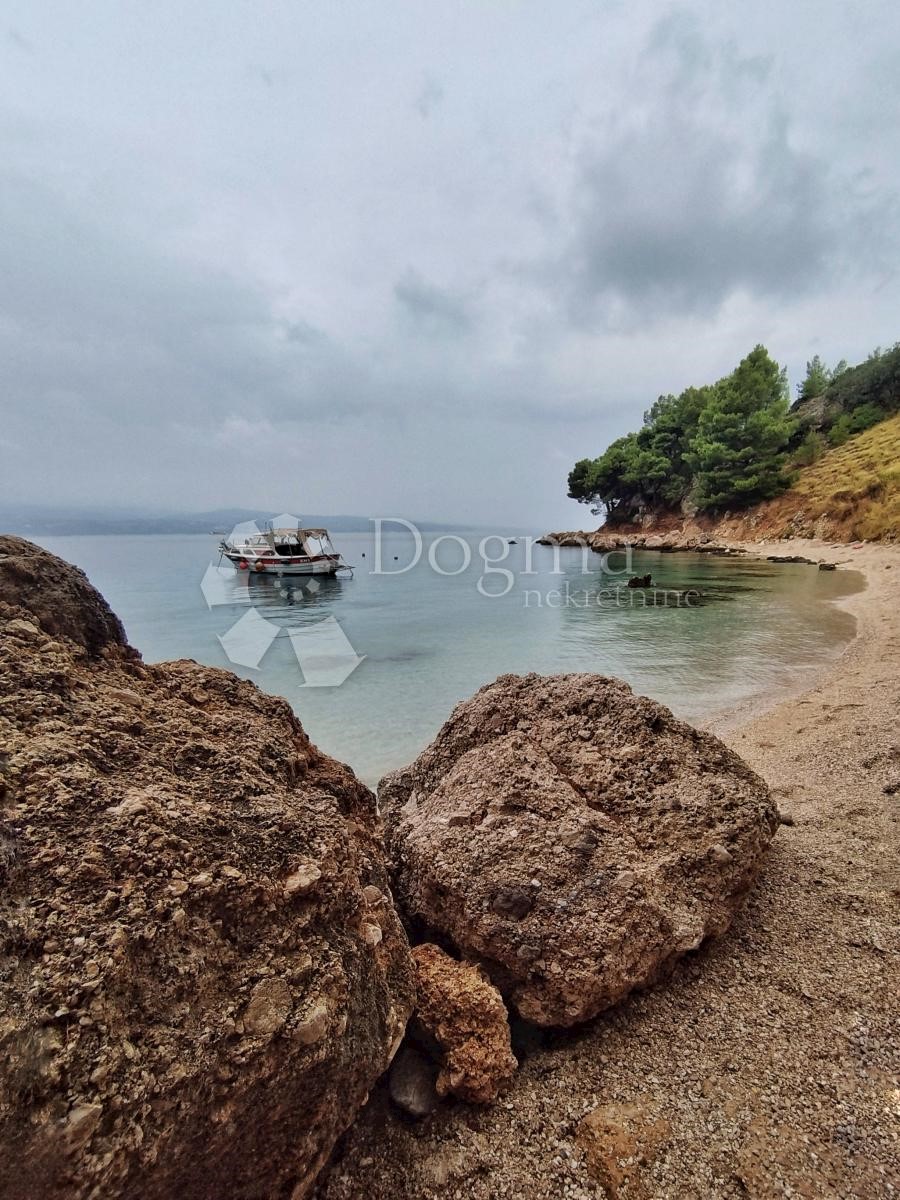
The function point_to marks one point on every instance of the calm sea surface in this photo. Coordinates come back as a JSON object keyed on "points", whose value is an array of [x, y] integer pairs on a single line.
{"points": [[428, 639]]}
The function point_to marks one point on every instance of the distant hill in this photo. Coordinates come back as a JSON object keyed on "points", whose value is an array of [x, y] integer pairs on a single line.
{"points": [[28, 520]]}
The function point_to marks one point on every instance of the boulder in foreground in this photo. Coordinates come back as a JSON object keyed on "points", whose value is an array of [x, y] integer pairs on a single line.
{"points": [[574, 838], [201, 969]]}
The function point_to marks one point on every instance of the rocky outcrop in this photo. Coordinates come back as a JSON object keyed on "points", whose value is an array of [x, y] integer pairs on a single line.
{"points": [[58, 597], [667, 538], [459, 1007], [201, 969], [573, 838]]}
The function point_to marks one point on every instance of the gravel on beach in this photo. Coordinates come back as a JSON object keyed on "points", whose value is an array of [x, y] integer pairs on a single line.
{"points": [[768, 1064]]}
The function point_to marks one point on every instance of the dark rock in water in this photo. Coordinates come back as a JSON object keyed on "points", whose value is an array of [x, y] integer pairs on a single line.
{"points": [[827, 566], [640, 581], [788, 558], [202, 972], [411, 1082], [635, 835]]}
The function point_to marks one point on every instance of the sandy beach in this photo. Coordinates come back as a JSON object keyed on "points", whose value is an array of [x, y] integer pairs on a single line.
{"points": [[768, 1065]]}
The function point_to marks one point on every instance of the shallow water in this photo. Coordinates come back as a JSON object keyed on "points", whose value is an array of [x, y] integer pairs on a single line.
{"points": [[429, 639]]}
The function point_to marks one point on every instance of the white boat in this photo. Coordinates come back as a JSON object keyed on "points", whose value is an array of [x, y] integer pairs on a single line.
{"points": [[284, 552]]}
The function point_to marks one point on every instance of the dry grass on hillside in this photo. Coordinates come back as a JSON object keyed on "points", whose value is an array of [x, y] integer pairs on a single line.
{"points": [[855, 487], [851, 494]]}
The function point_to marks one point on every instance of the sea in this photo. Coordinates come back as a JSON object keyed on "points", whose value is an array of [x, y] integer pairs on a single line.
{"points": [[374, 660]]}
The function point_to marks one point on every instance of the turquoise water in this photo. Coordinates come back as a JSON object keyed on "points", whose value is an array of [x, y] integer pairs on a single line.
{"points": [[428, 639]]}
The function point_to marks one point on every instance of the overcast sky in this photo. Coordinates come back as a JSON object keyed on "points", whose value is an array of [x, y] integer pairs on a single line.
{"points": [[416, 258]]}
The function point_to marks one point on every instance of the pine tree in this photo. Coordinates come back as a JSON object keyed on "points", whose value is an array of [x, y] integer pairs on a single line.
{"points": [[817, 379], [739, 453]]}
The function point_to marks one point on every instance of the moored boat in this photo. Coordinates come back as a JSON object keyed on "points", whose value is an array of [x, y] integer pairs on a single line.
{"points": [[285, 551]]}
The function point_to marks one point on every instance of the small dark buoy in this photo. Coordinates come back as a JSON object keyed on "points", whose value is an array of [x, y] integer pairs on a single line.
{"points": [[396, 556], [364, 554]]}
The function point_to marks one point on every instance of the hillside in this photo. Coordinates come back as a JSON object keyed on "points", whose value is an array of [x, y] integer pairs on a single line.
{"points": [[851, 493], [729, 446]]}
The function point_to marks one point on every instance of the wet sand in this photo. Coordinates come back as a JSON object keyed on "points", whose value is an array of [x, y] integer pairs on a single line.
{"points": [[768, 1065]]}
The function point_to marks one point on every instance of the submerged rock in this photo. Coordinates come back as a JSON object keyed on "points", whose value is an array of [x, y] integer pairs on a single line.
{"points": [[459, 1007], [193, 1001], [574, 838]]}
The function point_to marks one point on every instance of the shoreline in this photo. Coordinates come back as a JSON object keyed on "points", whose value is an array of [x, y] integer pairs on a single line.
{"points": [[766, 1064], [733, 718]]}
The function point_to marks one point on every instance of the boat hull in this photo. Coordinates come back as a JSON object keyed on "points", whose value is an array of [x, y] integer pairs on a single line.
{"points": [[324, 565]]}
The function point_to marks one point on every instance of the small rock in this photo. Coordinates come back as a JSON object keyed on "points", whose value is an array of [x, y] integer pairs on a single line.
{"points": [[411, 1082], [80, 1125], [462, 1010], [132, 806], [312, 1027], [371, 932], [268, 1009], [302, 879], [619, 1142]]}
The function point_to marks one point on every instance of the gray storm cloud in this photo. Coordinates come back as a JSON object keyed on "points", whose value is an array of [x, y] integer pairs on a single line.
{"points": [[247, 255], [698, 191]]}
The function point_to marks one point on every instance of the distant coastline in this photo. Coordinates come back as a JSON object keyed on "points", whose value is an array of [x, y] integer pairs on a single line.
{"points": [[59, 521]]}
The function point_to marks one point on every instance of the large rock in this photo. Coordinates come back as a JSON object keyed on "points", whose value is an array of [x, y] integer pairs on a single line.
{"points": [[201, 968], [57, 596], [574, 838]]}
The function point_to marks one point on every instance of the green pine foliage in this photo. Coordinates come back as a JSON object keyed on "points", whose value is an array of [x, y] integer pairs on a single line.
{"points": [[818, 377], [739, 454], [873, 385], [724, 444]]}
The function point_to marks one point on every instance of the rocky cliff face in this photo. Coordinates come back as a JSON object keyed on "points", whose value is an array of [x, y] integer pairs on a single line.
{"points": [[201, 969], [573, 838]]}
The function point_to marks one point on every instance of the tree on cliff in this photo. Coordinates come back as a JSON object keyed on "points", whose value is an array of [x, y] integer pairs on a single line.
{"points": [[609, 481], [739, 454], [817, 379]]}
